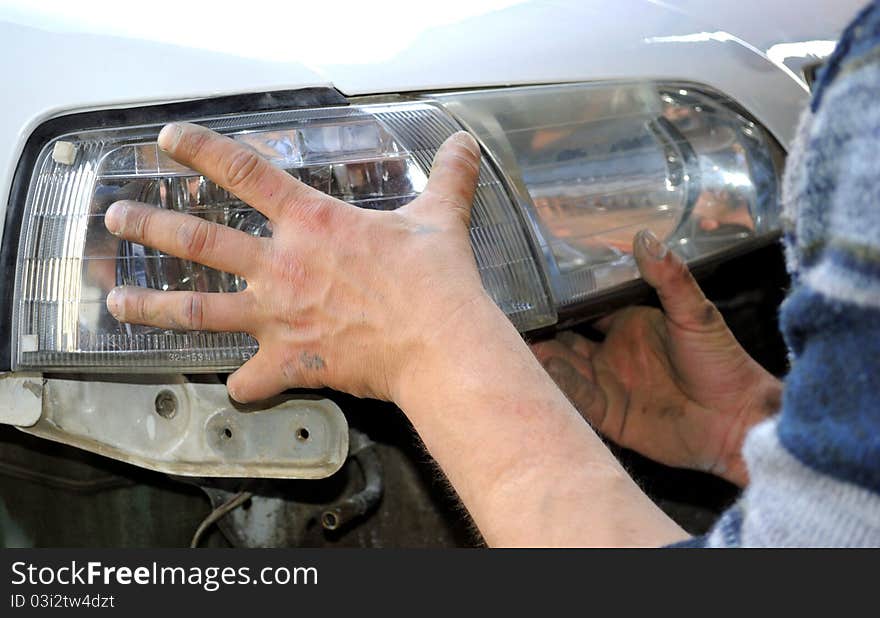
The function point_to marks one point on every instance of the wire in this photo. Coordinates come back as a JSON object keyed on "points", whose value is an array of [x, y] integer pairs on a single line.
{"points": [[48, 479], [230, 505]]}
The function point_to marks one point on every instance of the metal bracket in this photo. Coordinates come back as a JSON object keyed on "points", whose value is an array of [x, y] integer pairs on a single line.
{"points": [[170, 425], [21, 396]]}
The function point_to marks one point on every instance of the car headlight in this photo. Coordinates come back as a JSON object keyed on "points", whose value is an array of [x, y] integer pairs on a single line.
{"points": [[592, 164], [572, 173]]}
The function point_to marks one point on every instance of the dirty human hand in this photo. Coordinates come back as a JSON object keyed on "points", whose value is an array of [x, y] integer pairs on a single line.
{"points": [[674, 385], [390, 305], [339, 296]]}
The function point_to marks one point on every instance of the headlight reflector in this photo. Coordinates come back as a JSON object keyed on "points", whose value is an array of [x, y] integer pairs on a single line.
{"points": [[374, 156]]}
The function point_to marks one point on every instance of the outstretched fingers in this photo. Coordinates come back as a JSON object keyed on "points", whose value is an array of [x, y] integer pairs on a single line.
{"points": [[184, 311], [239, 169], [186, 236]]}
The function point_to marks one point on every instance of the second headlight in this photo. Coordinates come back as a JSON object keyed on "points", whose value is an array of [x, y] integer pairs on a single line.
{"points": [[592, 164]]}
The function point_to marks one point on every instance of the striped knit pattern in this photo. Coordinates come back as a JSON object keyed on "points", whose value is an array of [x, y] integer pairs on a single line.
{"points": [[815, 467]]}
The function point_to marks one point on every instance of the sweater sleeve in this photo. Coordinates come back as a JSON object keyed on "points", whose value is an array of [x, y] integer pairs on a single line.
{"points": [[815, 467]]}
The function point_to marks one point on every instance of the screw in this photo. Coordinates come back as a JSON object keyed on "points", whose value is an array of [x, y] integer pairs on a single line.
{"points": [[166, 404]]}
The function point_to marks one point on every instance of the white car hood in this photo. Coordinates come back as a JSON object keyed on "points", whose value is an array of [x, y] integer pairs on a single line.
{"points": [[60, 56]]}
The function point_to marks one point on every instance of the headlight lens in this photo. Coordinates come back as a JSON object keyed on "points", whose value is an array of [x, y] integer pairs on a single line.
{"points": [[374, 156], [579, 169], [596, 163]]}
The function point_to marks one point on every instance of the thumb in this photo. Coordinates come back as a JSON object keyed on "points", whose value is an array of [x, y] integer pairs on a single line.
{"points": [[259, 378], [454, 174], [681, 296]]}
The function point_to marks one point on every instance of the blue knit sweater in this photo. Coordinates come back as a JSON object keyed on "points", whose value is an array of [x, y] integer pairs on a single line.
{"points": [[815, 467]]}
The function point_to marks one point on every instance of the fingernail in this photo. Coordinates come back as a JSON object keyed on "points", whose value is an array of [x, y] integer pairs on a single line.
{"points": [[652, 246], [114, 302], [233, 395], [467, 140], [169, 136], [114, 217]]}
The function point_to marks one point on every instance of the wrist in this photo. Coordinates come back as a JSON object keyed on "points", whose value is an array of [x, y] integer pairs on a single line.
{"points": [[446, 346], [765, 403]]}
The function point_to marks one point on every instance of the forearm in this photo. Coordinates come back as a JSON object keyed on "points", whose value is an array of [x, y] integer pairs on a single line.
{"points": [[523, 461]]}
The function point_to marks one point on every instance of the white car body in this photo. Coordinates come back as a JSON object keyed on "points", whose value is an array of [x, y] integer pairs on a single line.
{"points": [[61, 57]]}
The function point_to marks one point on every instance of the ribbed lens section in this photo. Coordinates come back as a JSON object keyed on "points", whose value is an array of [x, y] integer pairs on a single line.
{"points": [[374, 156], [504, 256]]}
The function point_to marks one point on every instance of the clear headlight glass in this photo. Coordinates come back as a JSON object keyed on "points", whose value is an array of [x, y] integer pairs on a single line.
{"points": [[571, 173], [373, 156], [596, 163]]}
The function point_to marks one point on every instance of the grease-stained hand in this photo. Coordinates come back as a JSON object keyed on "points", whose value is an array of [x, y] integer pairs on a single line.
{"points": [[339, 296], [674, 385]]}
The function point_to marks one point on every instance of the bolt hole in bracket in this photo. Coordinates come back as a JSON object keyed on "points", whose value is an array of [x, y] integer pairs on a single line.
{"points": [[171, 425], [276, 514]]}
